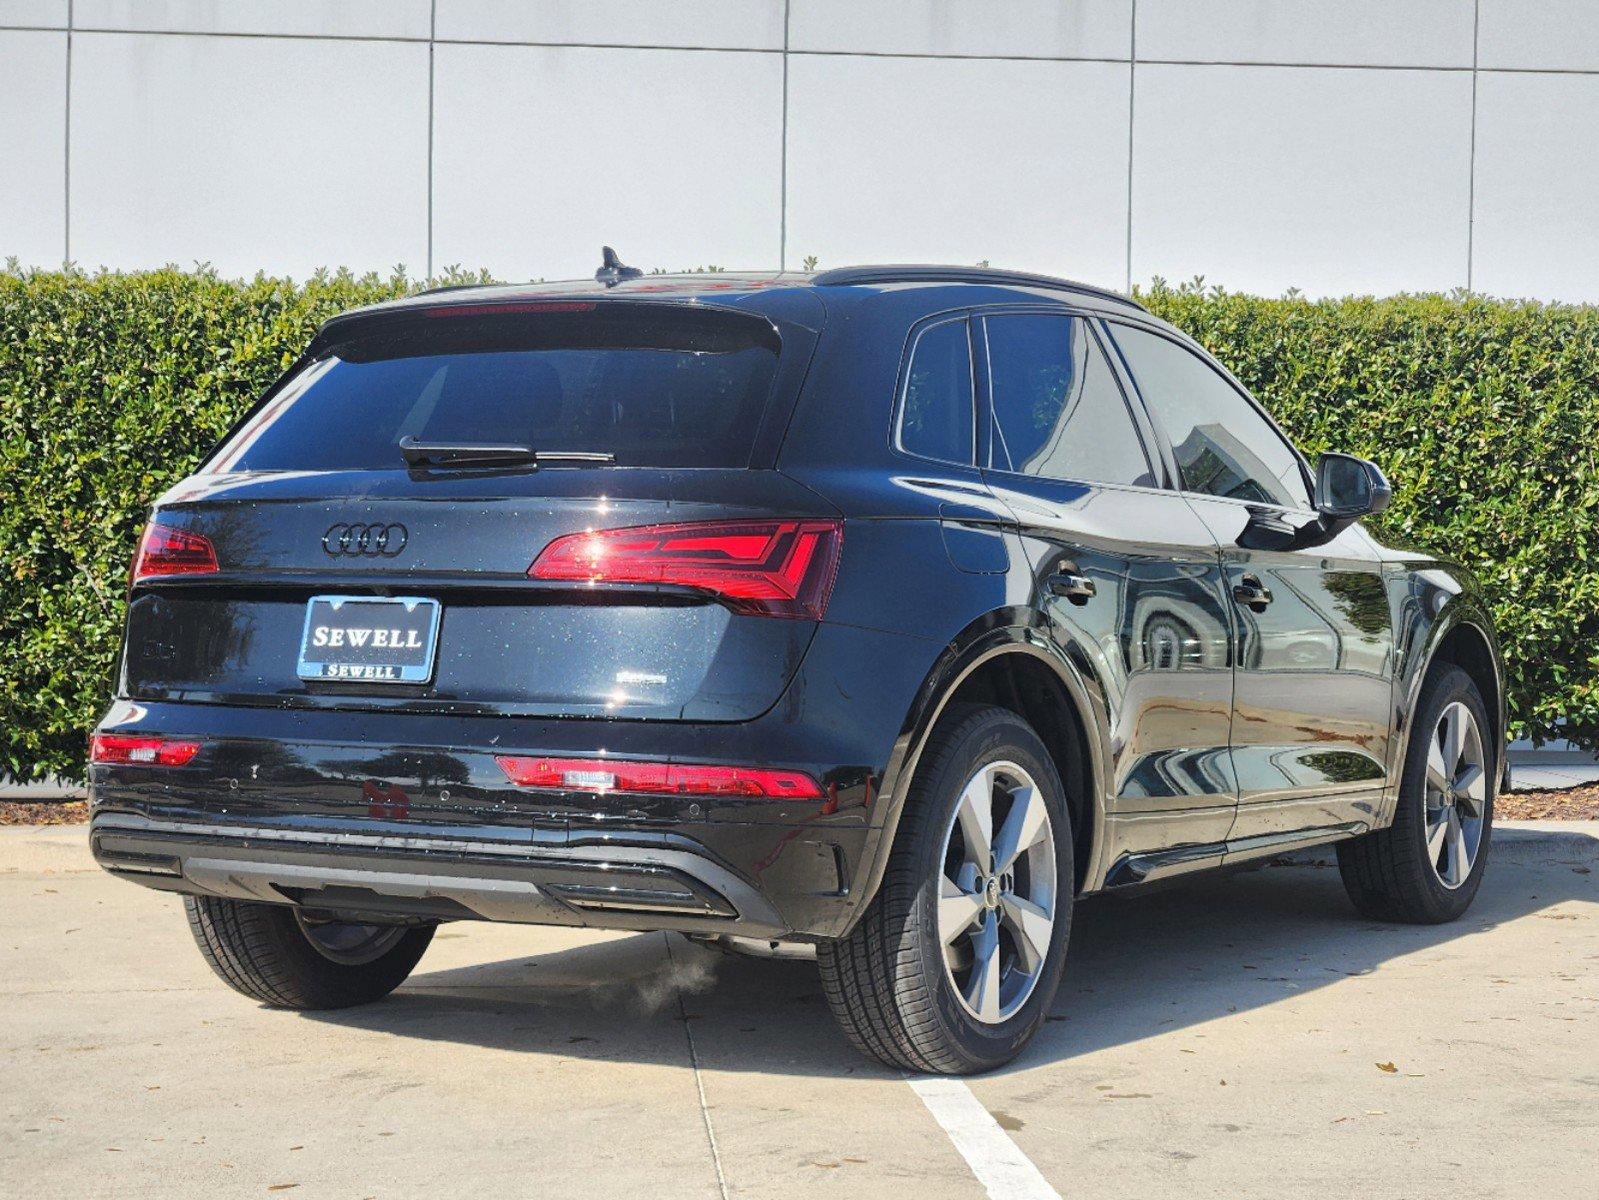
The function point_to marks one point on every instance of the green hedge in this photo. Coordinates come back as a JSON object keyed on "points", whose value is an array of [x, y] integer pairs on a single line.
{"points": [[112, 386]]}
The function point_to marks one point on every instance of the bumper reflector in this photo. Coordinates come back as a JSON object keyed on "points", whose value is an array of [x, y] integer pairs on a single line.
{"points": [[617, 775], [121, 749]]}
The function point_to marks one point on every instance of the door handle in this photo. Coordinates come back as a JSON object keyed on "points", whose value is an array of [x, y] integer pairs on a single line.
{"points": [[1252, 594], [1076, 588]]}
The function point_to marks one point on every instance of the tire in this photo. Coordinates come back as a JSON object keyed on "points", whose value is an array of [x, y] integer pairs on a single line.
{"points": [[889, 982], [1392, 875], [273, 953]]}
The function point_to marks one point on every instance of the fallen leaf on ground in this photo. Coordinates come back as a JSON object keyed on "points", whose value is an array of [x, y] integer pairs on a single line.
{"points": [[1388, 1067]]}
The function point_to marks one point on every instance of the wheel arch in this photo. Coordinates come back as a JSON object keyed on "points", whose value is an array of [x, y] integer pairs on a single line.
{"points": [[1008, 660], [1461, 636]]}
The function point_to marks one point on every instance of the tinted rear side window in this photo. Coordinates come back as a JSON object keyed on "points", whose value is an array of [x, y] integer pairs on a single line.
{"points": [[1058, 410], [937, 417], [654, 387]]}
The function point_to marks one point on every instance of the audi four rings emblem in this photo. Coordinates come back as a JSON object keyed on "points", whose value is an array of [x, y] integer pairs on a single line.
{"points": [[367, 540]]}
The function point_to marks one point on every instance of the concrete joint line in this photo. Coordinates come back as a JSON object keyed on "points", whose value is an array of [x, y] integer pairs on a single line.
{"points": [[699, 1082]]}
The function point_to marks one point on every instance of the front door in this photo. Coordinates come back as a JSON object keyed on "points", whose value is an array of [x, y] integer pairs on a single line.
{"points": [[1313, 689], [1130, 577]]}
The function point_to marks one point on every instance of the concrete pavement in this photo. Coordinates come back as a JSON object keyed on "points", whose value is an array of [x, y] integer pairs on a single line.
{"points": [[1229, 1037]]}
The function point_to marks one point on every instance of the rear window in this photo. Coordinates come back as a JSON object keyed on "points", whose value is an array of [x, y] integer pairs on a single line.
{"points": [[654, 388]]}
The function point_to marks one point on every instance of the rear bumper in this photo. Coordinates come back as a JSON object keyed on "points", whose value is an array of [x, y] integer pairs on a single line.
{"points": [[639, 882], [408, 811]]}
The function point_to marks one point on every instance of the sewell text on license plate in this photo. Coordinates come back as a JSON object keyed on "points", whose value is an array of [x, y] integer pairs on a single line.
{"points": [[369, 639]]}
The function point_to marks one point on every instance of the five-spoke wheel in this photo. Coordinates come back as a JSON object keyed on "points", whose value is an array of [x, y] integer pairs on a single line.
{"points": [[1457, 794], [996, 907]]}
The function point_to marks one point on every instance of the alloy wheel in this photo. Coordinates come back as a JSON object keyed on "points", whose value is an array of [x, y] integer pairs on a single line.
{"points": [[996, 906], [1457, 795], [348, 942]]}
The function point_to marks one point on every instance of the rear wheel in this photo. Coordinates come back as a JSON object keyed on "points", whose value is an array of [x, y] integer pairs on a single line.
{"points": [[288, 957], [1426, 867], [954, 965]]}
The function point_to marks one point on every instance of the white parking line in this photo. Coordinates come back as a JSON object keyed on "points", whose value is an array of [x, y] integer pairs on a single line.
{"points": [[999, 1164]]}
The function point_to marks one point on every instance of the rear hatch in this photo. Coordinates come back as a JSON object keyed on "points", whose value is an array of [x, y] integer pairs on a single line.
{"points": [[367, 538]]}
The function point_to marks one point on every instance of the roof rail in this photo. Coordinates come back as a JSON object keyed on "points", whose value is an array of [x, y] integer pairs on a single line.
{"points": [[847, 276]]}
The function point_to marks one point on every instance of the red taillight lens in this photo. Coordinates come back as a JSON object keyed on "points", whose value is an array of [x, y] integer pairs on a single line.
{"points": [[764, 568], [121, 749], [614, 775], [164, 551]]}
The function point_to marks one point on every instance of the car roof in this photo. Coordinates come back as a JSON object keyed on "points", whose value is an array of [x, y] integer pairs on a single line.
{"points": [[837, 285]]}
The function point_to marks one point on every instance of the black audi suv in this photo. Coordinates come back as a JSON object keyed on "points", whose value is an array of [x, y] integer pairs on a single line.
{"points": [[887, 610]]}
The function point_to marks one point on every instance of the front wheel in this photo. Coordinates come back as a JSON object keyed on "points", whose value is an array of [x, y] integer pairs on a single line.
{"points": [[954, 964], [288, 957], [1425, 868]]}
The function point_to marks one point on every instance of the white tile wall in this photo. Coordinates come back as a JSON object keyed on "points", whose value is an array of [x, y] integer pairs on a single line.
{"points": [[1041, 28], [1431, 33], [727, 24], [51, 13], [1537, 217], [542, 155], [289, 134], [1328, 180], [33, 146], [918, 160], [328, 18], [1540, 34], [249, 153]]}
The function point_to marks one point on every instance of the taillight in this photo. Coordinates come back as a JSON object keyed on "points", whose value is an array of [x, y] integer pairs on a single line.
{"points": [[763, 568], [122, 749], [615, 775], [164, 551]]}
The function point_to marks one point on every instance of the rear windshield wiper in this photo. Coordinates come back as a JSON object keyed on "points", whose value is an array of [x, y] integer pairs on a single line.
{"points": [[487, 454]]}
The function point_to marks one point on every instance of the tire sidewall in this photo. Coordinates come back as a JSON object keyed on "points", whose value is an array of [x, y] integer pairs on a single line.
{"points": [[1002, 738]]}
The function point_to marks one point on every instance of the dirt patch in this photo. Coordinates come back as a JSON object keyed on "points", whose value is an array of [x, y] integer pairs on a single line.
{"points": [[1579, 803], [44, 812]]}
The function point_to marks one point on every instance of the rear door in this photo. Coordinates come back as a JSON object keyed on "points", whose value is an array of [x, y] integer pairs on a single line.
{"points": [[1313, 692], [1127, 573]]}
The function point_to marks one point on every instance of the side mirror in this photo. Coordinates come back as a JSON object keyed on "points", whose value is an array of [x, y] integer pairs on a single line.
{"points": [[1348, 488]]}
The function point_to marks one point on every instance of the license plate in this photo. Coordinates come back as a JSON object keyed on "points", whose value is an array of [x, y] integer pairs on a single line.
{"points": [[363, 639]]}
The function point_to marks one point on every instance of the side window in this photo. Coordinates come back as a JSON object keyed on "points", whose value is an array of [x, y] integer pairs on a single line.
{"points": [[1058, 410], [937, 418], [1224, 447]]}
